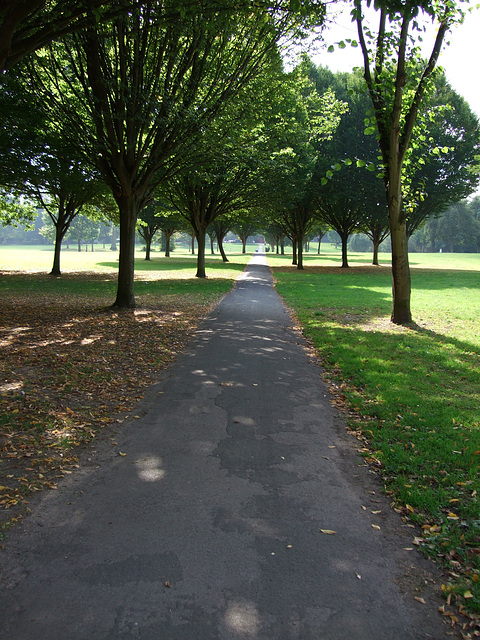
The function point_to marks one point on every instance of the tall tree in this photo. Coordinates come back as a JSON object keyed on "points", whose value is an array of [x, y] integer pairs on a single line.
{"points": [[27, 25], [445, 168], [143, 87], [148, 225], [397, 82], [300, 123]]}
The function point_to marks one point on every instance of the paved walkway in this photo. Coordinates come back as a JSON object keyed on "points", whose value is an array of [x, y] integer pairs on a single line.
{"points": [[210, 527]]}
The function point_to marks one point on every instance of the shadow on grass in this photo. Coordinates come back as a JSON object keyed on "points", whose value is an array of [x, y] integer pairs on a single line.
{"points": [[418, 395]]}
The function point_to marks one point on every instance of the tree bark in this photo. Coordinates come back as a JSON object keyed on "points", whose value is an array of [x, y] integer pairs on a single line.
{"points": [[294, 248], [201, 233], [300, 253], [126, 262], [222, 249], [401, 282], [167, 237], [344, 238], [56, 253], [148, 246]]}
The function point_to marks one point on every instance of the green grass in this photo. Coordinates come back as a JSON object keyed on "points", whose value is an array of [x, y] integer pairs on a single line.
{"points": [[25, 270], [415, 391], [39, 259]]}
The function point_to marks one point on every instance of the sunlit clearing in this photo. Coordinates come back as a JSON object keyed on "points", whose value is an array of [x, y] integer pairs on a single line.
{"points": [[150, 468], [242, 618]]}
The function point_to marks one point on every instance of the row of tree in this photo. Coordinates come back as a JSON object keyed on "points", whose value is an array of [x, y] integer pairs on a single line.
{"points": [[182, 111]]}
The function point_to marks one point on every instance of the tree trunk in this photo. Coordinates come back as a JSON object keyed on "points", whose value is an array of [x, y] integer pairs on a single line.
{"points": [[376, 244], [212, 248], [193, 244], [344, 238], [56, 254], [221, 248], [167, 237], [148, 246], [79, 245], [282, 246], [300, 252], [401, 284], [244, 244], [126, 262], [201, 233], [294, 249]]}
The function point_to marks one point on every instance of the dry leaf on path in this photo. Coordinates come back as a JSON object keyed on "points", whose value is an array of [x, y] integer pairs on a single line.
{"points": [[328, 532]]}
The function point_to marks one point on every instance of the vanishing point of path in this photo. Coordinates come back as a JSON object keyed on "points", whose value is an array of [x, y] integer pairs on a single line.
{"points": [[210, 527]]}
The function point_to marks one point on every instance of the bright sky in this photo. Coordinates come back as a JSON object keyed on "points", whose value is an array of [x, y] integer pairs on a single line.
{"points": [[459, 58]]}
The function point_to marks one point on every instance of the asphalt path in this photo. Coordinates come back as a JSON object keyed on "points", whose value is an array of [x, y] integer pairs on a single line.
{"points": [[239, 510]]}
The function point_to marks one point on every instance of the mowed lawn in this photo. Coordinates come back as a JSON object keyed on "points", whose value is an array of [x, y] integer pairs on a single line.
{"points": [[412, 394]]}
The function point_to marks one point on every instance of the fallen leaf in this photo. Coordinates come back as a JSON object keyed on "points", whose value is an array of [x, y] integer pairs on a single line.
{"points": [[375, 526], [468, 594], [421, 600], [328, 532], [121, 454]]}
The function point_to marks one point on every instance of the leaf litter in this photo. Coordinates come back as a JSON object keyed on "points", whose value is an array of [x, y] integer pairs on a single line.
{"points": [[71, 367]]}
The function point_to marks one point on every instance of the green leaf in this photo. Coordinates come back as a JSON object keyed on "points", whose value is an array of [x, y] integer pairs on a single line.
{"points": [[361, 163], [331, 49], [324, 181], [342, 44], [370, 131]]}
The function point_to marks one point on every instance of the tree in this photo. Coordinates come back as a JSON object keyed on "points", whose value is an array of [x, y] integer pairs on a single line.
{"points": [[29, 25], [397, 81], [37, 160], [349, 197], [221, 226], [15, 210], [301, 121], [447, 171], [84, 229], [245, 227], [148, 225], [455, 230], [143, 87], [62, 188]]}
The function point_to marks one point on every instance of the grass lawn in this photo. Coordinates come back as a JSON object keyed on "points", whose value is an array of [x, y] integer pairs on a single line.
{"points": [[412, 393]]}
